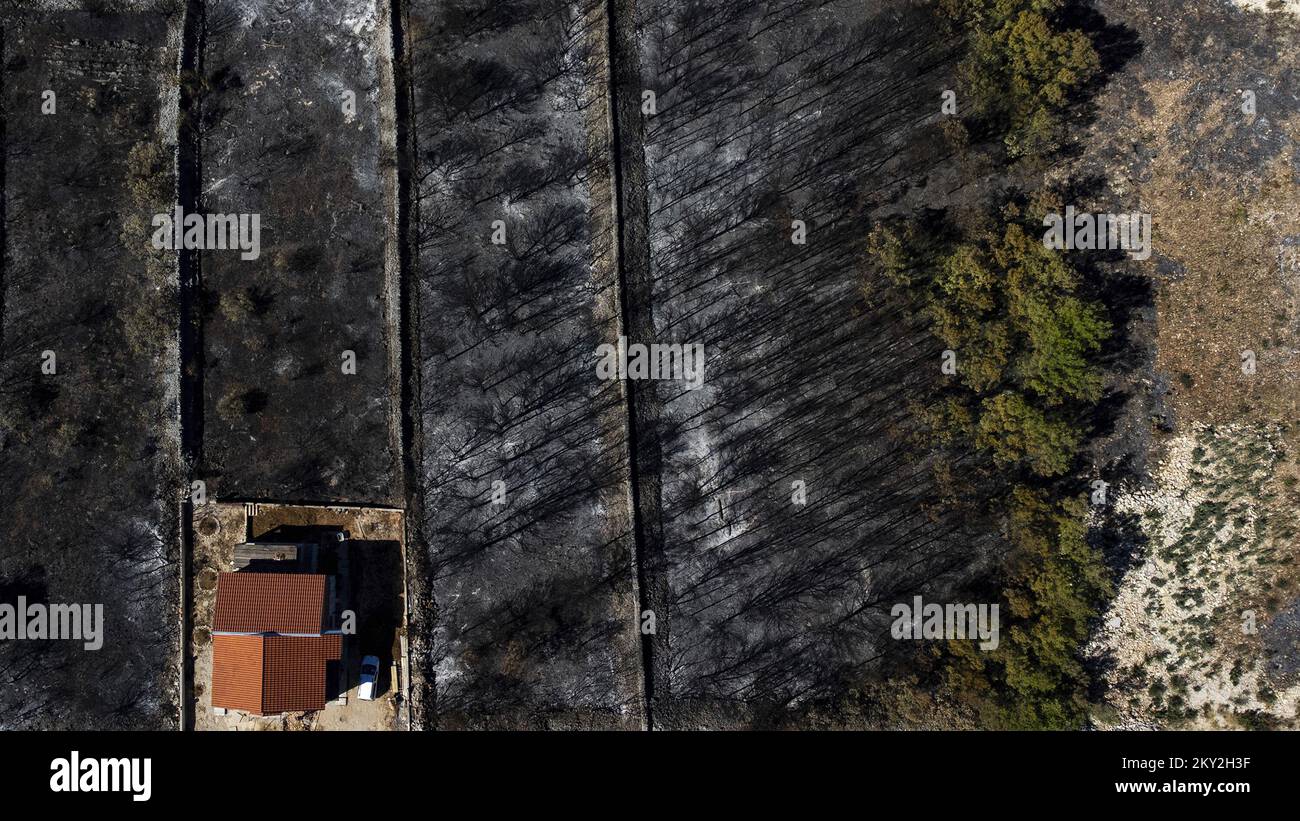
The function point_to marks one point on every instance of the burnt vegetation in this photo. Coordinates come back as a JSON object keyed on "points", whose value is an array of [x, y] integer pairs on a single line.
{"points": [[282, 418], [524, 471], [771, 113], [773, 180], [88, 471]]}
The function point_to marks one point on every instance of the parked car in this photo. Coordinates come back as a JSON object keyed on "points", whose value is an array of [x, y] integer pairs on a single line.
{"points": [[369, 678]]}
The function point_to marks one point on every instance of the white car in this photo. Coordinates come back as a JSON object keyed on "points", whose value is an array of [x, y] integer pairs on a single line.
{"points": [[369, 678]]}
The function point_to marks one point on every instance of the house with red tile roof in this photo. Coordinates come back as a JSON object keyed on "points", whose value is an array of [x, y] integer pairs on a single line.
{"points": [[272, 640]]}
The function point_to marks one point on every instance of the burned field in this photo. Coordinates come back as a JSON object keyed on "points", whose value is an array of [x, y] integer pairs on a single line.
{"points": [[299, 378], [420, 221], [525, 504], [760, 115], [289, 381], [793, 512], [90, 471], [582, 552]]}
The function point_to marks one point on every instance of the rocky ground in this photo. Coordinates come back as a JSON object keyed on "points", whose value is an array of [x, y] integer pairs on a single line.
{"points": [[1201, 130], [1198, 632]]}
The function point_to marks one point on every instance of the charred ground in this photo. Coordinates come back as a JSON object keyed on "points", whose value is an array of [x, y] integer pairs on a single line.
{"points": [[497, 203]]}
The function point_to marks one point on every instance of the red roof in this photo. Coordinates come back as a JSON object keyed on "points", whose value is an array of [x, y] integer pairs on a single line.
{"points": [[237, 673], [293, 671], [271, 674], [269, 603], [253, 668]]}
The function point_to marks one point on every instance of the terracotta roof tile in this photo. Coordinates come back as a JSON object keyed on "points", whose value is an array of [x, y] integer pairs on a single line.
{"points": [[269, 603], [294, 672], [272, 674], [237, 672], [267, 673]]}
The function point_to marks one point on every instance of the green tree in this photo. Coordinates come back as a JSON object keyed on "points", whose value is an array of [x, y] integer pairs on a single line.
{"points": [[1020, 71], [1016, 432], [1027, 342]]}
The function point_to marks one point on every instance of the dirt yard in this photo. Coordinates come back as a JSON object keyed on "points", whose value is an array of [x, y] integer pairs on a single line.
{"points": [[370, 583]]}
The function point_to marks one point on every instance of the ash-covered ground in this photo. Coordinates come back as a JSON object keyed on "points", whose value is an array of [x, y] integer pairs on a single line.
{"points": [[525, 500], [299, 383], [775, 119], [559, 517], [463, 199], [762, 114], [89, 448]]}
